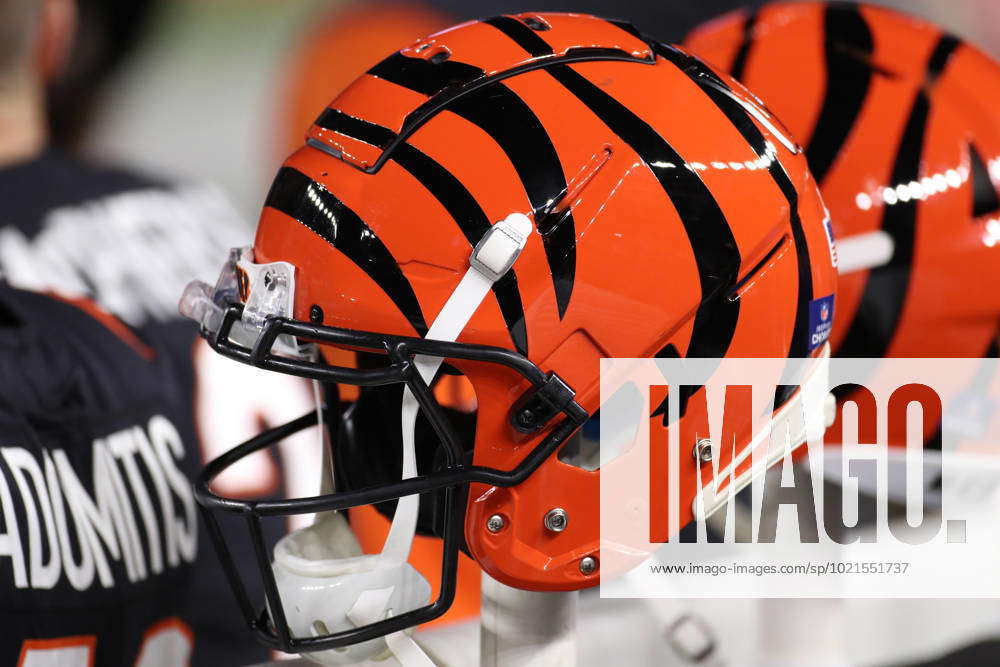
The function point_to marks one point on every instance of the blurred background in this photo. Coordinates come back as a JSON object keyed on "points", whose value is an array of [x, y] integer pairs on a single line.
{"points": [[222, 90]]}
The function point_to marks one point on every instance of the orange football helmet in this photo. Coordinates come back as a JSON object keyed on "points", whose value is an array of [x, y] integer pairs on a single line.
{"points": [[509, 200], [900, 127]]}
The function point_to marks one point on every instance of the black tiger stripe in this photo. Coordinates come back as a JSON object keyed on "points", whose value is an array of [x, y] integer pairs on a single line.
{"points": [[443, 82], [752, 273], [874, 323], [684, 393], [559, 232], [718, 266], [356, 128], [424, 76], [298, 196], [940, 57], [472, 220], [712, 241], [526, 38], [717, 91], [452, 195], [984, 195], [503, 115], [511, 123], [848, 48], [743, 53]]}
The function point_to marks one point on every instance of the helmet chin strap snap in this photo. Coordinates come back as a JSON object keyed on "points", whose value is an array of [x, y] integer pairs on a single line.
{"points": [[326, 584]]}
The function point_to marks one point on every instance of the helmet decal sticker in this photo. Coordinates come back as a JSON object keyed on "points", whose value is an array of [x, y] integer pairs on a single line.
{"points": [[298, 196], [886, 288], [848, 49], [820, 321]]}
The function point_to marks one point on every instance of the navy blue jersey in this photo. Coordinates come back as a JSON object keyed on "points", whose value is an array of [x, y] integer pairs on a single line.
{"points": [[98, 523], [129, 243]]}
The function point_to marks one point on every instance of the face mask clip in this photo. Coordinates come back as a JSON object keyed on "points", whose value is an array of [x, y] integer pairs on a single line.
{"points": [[541, 404]]}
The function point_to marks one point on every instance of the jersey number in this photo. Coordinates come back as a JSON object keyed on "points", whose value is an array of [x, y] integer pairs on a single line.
{"points": [[166, 644]]}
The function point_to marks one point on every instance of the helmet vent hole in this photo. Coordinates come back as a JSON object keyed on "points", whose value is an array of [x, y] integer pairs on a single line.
{"points": [[758, 270], [536, 23], [319, 628], [560, 209], [439, 57]]}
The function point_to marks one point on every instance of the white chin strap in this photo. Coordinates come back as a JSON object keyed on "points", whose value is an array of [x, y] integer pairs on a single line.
{"points": [[326, 584]]}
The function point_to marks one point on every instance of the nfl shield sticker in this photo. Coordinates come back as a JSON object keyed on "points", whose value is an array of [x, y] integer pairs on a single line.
{"points": [[820, 321], [831, 241]]}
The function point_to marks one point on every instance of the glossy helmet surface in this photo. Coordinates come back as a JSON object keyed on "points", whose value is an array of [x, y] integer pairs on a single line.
{"points": [[669, 216], [900, 126]]}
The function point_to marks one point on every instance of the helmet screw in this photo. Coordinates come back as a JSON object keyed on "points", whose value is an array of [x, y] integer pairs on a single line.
{"points": [[556, 520], [495, 523], [703, 450], [526, 418], [316, 314], [588, 565]]}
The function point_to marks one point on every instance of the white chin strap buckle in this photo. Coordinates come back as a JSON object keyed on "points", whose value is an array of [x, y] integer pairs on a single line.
{"points": [[500, 247], [325, 583]]}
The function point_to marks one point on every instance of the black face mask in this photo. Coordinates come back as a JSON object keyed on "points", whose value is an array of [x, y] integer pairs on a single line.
{"points": [[367, 471]]}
